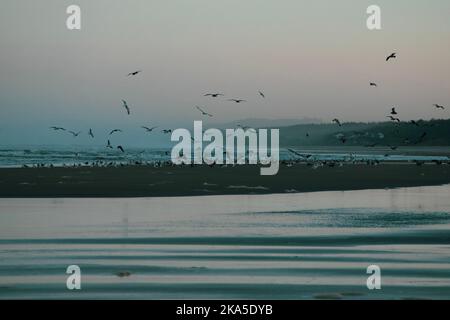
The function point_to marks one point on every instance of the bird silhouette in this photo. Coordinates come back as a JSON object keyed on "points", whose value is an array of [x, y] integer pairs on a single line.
{"points": [[125, 105], [438, 106], [203, 112], [134, 73], [91, 134], [58, 128], [393, 112], [391, 56], [148, 129], [120, 148], [75, 134], [337, 122], [261, 94], [393, 118], [114, 131], [108, 145], [373, 84], [165, 131], [237, 100], [213, 95]]}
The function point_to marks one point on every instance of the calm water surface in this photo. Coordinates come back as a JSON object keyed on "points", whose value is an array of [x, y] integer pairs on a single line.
{"points": [[293, 246]]}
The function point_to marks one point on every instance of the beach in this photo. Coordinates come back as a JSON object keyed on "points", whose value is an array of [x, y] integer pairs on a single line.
{"points": [[314, 245], [169, 181]]}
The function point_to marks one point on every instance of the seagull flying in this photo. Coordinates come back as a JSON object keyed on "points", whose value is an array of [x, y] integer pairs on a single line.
{"points": [[166, 131], [438, 106], [393, 112], [109, 145], [337, 121], [134, 73], [114, 131], [125, 105], [237, 100], [261, 94], [203, 112], [120, 148], [393, 119], [58, 128], [91, 134], [149, 129], [373, 84], [75, 134], [392, 56], [213, 95]]}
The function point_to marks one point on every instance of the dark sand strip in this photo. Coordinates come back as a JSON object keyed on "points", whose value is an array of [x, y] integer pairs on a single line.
{"points": [[146, 181]]}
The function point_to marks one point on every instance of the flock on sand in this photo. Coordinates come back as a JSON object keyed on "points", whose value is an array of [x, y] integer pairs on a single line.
{"points": [[393, 116]]}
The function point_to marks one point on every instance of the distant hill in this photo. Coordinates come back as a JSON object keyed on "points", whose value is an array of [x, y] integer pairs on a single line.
{"points": [[268, 123], [425, 133]]}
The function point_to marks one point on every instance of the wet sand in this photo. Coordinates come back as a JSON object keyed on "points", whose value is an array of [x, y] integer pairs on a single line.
{"points": [[147, 181]]}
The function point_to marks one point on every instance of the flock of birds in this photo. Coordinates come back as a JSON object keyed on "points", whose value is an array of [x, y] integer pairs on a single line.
{"points": [[393, 116], [147, 129]]}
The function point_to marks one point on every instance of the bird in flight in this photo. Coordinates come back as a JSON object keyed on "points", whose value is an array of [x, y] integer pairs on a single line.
{"points": [[75, 134], [58, 128], [438, 106], [114, 131], [148, 129], [391, 56], [373, 84], [165, 131], [203, 112], [237, 100], [337, 121], [108, 145], [261, 94], [120, 148], [125, 105], [91, 134], [393, 112], [134, 73], [393, 118], [213, 95]]}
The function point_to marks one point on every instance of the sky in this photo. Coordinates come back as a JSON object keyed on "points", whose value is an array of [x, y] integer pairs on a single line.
{"points": [[312, 59]]}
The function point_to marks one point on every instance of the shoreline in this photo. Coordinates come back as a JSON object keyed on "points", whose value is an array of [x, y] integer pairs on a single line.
{"points": [[147, 181]]}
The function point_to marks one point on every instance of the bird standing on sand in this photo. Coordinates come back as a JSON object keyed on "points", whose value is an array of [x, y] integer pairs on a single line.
{"points": [[134, 73], [337, 122], [203, 112], [148, 129], [125, 105], [391, 56], [213, 95], [114, 131], [438, 106], [237, 100], [91, 134]]}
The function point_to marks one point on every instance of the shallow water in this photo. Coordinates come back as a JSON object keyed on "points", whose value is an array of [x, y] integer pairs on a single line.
{"points": [[293, 246]]}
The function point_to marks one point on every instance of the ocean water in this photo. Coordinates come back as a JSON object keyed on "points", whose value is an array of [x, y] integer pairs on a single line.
{"points": [[82, 155], [290, 246]]}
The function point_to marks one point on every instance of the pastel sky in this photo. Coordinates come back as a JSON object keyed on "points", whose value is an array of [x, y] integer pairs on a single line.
{"points": [[311, 59]]}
